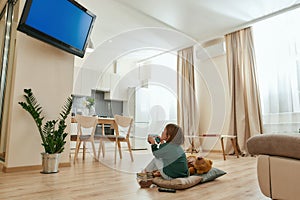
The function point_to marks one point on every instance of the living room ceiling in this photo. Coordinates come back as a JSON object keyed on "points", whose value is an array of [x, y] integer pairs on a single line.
{"points": [[125, 26], [207, 19]]}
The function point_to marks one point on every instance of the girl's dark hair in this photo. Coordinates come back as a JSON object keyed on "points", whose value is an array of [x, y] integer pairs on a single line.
{"points": [[175, 134]]}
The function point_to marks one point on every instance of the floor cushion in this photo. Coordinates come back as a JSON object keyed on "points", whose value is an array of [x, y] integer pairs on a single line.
{"points": [[183, 183], [177, 183]]}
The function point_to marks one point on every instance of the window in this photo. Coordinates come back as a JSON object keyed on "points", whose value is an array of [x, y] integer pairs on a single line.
{"points": [[277, 48]]}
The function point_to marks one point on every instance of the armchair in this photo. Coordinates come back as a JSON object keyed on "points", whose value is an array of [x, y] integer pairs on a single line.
{"points": [[278, 164]]}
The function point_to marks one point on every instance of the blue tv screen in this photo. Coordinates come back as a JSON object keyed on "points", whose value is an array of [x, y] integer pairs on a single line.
{"points": [[62, 23]]}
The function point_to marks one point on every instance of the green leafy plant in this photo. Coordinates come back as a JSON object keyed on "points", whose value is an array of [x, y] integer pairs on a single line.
{"points": [[89, 102], [52, 132]]}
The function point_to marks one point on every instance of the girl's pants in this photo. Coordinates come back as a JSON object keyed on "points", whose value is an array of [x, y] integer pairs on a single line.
{"points": [[157, 164]]}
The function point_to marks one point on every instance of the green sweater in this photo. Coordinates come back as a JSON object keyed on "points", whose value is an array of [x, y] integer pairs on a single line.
{"points": [[174, 159]]}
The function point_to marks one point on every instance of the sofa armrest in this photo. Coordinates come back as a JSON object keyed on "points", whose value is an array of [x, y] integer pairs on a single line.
{"points": [[263, 174], [285, 145]]}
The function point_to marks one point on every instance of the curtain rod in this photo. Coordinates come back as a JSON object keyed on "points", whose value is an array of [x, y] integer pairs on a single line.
{"points": [[250, 23]]}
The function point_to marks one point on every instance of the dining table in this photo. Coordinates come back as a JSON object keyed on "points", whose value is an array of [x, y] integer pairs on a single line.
{"points": [[101, 120]]}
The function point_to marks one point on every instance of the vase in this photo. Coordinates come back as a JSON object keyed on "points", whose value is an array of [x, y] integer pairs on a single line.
{"points": [[50, 163], [92, 111]]}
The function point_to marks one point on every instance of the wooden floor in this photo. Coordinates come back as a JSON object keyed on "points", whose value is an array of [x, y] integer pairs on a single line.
{"points": [[105, 180]]}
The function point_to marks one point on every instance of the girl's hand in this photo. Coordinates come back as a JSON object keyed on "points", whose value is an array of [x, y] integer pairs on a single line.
{"points": [[151, 140]]}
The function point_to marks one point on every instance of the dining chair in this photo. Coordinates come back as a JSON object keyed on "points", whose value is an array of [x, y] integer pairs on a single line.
{"points": [[122, 126], [86, 127]]}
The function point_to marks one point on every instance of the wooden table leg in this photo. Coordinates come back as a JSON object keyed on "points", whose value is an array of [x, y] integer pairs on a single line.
{"points": [[83, 157], [101, 147], [223, 150], [233, 142]]}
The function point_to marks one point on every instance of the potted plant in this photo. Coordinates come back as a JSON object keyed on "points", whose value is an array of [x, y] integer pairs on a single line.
{"points": [[52, 132]]}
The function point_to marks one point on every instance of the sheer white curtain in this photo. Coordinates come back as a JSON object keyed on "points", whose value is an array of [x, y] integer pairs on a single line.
{"points": [[277, 46]]}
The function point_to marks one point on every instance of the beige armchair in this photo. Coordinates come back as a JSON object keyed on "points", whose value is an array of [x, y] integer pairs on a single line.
{"points": [[278, 164]]}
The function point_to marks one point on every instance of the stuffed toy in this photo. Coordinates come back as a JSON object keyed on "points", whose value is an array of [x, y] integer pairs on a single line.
{"points": [[198, 165]]}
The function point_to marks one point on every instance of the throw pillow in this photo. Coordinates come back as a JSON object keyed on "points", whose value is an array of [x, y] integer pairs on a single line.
{"points": [[211, 175]]}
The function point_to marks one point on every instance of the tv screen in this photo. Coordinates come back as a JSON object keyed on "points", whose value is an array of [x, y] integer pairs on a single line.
{"points": [[62, 23]]}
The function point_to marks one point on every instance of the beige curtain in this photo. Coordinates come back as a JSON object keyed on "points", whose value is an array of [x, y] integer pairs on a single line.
{"points": [[245, 111], [186, 97]]}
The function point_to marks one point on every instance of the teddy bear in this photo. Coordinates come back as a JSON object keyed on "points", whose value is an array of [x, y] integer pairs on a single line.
{"points": [[198, 165]]}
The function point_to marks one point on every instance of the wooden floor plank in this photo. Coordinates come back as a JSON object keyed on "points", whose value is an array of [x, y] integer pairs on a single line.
{"points": [[90, 179]]}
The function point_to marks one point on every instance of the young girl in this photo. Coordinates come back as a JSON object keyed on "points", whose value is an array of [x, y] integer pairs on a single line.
{"points": [[169, 157]]}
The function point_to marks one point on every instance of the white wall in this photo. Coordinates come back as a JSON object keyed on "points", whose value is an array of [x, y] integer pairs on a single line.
{"points": [[213, 89], [49, 72]]}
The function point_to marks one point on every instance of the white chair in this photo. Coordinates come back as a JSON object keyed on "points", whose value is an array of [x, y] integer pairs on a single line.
{"points": [[89, 124], [122, 128]]}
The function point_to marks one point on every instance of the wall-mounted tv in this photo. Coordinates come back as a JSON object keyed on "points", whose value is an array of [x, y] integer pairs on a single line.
{"points": [[63, 23]]}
